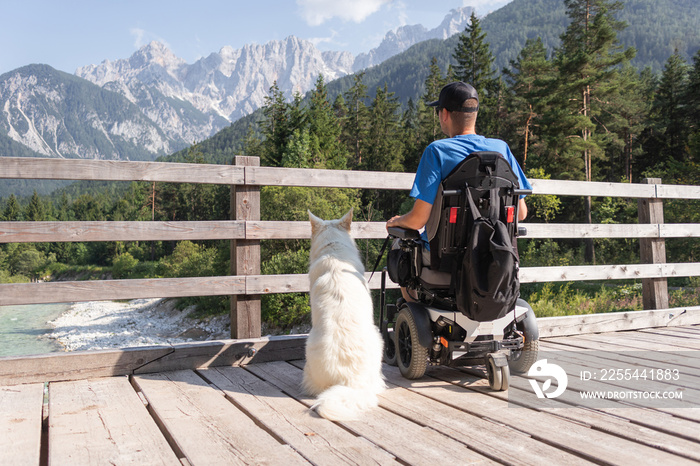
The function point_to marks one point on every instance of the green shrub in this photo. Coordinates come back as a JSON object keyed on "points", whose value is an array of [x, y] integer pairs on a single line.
{"points": [[283, 311], [123, 264]]}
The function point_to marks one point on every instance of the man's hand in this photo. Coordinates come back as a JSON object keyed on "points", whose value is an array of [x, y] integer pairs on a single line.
{"points": [[392, 222], [415, 219]]}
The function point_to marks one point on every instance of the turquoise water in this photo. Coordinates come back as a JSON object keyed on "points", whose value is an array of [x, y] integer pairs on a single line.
{"points": [[21, 327]]}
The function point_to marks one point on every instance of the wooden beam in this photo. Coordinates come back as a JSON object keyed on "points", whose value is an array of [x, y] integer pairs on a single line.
{"points": [[112, 170], [592, 188], [58, 232], [302, 230], [653, 251], [77, 365], [20, 423], [272, 176], [672, 191], [583, 230], [228, 353], [617, 321], [99, 290], [103, 421], [607, 272], [679, 230], [299, 283], [245, 255]]}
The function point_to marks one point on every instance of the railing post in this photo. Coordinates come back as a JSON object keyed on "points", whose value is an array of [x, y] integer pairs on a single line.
{"points": [[245, 256], [653, 251]]}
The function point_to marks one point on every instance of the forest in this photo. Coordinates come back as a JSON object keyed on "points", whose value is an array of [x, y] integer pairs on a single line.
{"points": [[580, 112]]}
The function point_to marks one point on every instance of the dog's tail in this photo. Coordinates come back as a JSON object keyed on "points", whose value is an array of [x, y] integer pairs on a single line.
{"points": [[341, 403]]}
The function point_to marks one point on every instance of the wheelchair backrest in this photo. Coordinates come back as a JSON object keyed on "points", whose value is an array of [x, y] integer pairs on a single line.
{"points": [[491, 183]]}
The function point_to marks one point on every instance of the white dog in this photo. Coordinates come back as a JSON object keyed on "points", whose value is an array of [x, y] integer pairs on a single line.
{"points": [[344, 348]]}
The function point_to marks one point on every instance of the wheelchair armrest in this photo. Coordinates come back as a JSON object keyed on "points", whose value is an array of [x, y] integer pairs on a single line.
{"points": [[403, 233]]}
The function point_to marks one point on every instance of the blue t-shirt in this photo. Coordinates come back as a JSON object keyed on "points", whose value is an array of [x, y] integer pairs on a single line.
{"points": [[442, 156]]}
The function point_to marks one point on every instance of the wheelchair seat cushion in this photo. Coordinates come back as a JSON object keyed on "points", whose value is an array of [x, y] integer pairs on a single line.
{"points": [[435, 279]]}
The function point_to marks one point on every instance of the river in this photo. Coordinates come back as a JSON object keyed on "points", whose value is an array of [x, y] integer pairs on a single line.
{"points": [[21, 327]]}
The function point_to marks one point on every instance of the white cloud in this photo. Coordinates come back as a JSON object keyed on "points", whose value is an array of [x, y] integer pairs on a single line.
{"points": [[399, 10], [143, 37], [138, 37], [324, 40], [316, 12]]}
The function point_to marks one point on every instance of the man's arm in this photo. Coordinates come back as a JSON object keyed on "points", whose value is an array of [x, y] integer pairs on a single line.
{"points": [[522, 209], [415, 219]]}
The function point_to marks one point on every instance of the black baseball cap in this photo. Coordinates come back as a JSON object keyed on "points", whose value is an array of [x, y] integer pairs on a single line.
{"points": [[453, 95]]}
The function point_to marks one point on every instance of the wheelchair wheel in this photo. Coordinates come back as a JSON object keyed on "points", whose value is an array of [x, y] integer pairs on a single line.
{"points": [[498, 377], [521, 360], [389, 353], [411, 356]]}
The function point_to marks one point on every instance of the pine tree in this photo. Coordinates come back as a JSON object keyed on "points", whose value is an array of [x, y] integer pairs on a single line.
{"points": [[275, 126], [356, 124], [627, 112], [670, 111], [13, 211], [35, 211], [692, 95], [429, 123], [693, 108], [383, 148], [529, 78], [324, 130], [475, 66], [474, 58], [587, 62]]}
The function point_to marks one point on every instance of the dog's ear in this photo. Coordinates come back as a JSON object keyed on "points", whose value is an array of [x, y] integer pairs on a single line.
{"points": [[315, 222], [346, 221]]}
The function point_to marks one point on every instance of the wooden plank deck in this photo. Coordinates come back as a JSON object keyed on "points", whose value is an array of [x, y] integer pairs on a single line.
{"points": [[256, 414]]}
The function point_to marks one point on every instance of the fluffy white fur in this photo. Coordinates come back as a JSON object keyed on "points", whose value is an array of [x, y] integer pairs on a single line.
{"points": [[344, 348]]}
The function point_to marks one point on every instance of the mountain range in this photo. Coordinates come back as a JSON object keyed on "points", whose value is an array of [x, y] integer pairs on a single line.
{"points": [[161, 104]]}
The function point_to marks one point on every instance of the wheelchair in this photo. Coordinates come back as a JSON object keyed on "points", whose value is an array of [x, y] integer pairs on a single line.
{"points": [[438, 328]]}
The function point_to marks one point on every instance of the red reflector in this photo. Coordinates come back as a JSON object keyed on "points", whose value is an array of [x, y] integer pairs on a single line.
{"points": [[453, 214], [510, 213]]}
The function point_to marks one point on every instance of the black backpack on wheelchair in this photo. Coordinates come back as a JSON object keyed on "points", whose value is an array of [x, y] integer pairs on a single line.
{"points": [[466, 286]]}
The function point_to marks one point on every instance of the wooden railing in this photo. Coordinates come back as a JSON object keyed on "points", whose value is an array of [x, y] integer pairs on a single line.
{"points": [[246, 230]]}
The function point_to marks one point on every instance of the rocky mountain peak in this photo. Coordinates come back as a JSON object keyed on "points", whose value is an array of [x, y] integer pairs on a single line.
{"points": [[155, 53], [405, 36]]}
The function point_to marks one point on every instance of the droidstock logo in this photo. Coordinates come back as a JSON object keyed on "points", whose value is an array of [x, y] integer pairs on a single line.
{"points": [[553, 371]]}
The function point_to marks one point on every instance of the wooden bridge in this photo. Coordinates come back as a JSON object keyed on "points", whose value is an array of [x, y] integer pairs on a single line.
{"points": [[256, 414], [238, 401]]}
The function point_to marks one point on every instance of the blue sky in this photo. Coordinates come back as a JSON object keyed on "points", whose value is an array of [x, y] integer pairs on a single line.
{"points": [[68, 34]]}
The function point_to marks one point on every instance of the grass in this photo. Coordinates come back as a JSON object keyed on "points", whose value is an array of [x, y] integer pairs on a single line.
{"points": [[578, 298]]}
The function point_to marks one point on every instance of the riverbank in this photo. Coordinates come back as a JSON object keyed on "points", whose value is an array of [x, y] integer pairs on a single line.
{"points": [[23, 327], [141, 322]]}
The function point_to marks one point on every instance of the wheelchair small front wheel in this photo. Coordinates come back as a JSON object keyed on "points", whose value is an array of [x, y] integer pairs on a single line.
{"points": [[498, 377], [411, 356]]}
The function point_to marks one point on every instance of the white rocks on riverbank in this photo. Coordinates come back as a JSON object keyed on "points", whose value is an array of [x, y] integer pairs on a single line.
{"points": [[141, 322]]}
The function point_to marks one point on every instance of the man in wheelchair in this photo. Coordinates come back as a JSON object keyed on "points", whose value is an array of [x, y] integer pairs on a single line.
{"points": [[469, 191]]}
